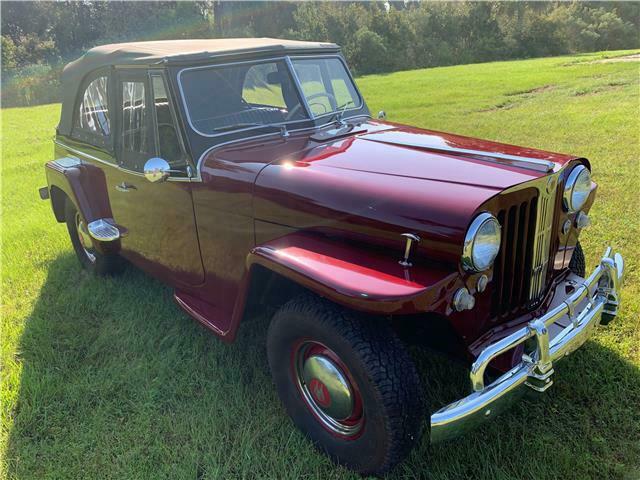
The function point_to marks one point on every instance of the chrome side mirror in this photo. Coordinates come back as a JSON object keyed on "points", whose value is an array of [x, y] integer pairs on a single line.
{"points": [[156, 170], [382, 115]]}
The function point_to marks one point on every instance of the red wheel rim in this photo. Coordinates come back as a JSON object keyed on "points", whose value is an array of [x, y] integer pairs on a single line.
{"points": [[328, 389]]}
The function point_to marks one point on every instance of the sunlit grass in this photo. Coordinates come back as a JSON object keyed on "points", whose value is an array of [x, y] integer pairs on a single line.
{"points": [[108, 379]]}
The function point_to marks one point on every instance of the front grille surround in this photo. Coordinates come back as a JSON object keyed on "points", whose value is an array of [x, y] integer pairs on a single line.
{"points": [[527, 217]]}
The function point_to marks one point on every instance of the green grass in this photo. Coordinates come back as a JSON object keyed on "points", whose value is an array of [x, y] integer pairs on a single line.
{"points": [[108, 379]]}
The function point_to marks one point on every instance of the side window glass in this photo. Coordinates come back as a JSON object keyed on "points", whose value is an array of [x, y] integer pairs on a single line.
{"points": [[168, 139], [93, 112], [135, 134]]}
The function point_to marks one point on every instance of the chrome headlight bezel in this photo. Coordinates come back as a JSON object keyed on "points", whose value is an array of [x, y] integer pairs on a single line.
{"points": [[469, 262], [569, 201]]}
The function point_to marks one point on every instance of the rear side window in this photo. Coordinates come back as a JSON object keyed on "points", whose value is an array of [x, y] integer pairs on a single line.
{"points": [[135, 124], [93, 110]]}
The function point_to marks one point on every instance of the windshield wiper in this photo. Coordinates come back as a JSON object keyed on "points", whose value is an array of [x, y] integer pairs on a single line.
{"points": [[242, 125], [339, 113]]}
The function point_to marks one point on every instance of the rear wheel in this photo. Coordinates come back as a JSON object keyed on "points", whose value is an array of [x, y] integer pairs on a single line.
{"points": [[347, 382], [90, 258], [578, 265]]}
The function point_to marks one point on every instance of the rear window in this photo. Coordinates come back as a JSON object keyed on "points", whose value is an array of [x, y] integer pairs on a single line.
{"points": [[93, 111]]}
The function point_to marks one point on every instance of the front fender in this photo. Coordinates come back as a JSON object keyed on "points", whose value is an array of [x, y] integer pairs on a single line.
{"points": [[367, 280]]}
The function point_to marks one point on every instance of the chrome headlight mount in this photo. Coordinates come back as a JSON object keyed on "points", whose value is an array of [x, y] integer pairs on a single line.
{"points": [[481, 243], [576, 189]]}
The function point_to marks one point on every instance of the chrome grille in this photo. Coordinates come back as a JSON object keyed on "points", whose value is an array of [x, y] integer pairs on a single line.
{"points": [[512, 270], [520, 270]]}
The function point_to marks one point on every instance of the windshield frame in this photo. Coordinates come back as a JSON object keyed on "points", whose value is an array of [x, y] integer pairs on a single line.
{"points": [[311, 122]]}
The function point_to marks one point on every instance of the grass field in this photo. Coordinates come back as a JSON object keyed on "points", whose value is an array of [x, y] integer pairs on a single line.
{"points": [[109, 379]]}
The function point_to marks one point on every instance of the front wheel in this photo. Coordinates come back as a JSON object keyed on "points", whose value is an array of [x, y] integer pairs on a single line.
{"points": [[90, 258], [347, 382]]}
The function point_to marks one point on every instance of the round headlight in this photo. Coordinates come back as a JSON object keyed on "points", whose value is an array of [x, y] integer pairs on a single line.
{"points": [[577, 188], [481, 243]]}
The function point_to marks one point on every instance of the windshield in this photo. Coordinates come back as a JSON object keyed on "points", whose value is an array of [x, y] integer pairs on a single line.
{"points": [[241, 96], [326, 85], [250, 95]]}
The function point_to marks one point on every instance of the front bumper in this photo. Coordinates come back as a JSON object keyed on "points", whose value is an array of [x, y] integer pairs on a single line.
{"points": [[594, 300]]}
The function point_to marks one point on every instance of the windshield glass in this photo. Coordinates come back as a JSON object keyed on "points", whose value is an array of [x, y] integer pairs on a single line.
{"points": [[240, 96], [326, 85]]}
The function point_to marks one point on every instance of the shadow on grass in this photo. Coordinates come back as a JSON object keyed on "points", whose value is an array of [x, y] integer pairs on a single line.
{"points": [[117, 382]]}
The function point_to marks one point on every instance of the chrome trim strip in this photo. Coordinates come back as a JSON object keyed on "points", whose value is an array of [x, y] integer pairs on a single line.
{"points": [[522, 162], [600, 291], [118, 167]]}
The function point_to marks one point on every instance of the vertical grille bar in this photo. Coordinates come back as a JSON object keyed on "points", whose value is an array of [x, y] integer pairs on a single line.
{"points": [[511, 260], [525, 246], [500, 263], [542, 238]]}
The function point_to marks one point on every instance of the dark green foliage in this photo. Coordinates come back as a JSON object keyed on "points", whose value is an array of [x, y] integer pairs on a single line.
{"points": [[376, 36]]}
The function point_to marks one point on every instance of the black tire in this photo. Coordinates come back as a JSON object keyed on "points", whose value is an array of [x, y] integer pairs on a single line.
{"points": [[578, 265], [91, 259], [375, 361]]}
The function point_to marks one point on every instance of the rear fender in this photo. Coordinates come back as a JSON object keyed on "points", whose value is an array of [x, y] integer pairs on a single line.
{"points": [[83, 184]]}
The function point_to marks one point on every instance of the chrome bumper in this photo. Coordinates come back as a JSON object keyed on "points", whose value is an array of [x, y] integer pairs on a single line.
{"points": [[594, 300]]}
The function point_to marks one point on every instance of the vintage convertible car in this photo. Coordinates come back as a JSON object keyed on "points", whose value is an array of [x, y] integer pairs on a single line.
{"points": [[249, 176]]}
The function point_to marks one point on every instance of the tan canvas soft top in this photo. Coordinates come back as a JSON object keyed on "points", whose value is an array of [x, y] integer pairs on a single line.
{"points": [[169, 51]]}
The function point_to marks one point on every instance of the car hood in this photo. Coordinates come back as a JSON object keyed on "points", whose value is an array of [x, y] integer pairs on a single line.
{"points": [[391, 179], [436, 156]]}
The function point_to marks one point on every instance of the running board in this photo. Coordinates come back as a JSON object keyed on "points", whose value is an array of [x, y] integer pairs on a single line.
{"points": [[103, 230], [209, 315]]}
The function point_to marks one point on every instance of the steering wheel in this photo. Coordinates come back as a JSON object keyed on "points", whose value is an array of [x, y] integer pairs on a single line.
{"points": [[295, 109]]}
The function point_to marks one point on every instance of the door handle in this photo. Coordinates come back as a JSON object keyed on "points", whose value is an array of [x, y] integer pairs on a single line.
{"points": [[125, 187]]}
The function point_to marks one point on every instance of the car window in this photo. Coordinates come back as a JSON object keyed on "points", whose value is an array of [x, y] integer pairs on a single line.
{"points": [[326, 85], [258, 90], [93, 111], [221, 99], [135, 124], [169, 146]]}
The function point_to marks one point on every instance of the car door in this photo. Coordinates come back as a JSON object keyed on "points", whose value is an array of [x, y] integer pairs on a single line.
{"points": [[161, 236]]}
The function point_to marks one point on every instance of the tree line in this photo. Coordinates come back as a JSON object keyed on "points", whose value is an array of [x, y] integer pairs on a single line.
{"points": [[38, 38]]}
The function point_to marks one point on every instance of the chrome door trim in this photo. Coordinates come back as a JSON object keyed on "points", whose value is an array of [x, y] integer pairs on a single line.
{"points": [[118, 167]]}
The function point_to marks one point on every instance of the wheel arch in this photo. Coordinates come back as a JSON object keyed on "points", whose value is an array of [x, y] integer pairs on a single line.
{"points": [[336, 271]]}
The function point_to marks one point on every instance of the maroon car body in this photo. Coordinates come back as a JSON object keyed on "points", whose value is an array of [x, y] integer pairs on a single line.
{"points": [[323, 208]]}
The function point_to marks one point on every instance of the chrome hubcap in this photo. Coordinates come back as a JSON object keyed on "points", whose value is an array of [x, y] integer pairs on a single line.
{"points": [[327, 389], [85, 238]]}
